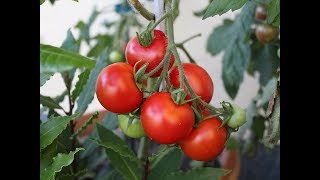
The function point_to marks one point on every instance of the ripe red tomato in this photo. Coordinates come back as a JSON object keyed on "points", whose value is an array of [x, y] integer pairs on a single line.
{"points": [[116, 88], [266, 33], [164, 121], [153, 54], [198, 78], [205, 142]]}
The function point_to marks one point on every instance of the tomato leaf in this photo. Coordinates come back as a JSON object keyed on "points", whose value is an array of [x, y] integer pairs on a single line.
{"points": [[219, 7], [273, 16], [102, 42], [86, 124], [42, 1], [89, 89], [85, 28], [49, 102], [83, 78], [47, 154], [267, 91], [219, 39], [165, 161], [110, 121], [60, 161], [205, 173], [237, 52], [265, 60], [50, 130], [273, 131], [121, 157], [44, 77], [53, 59], [258, 126]]}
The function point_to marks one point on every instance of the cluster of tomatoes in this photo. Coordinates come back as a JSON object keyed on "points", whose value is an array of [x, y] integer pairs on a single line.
{"points": [[156, 114], [265, 33]]}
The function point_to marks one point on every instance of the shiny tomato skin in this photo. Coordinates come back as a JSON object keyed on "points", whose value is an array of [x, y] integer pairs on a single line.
{"points": [[153, 54], [205, 142], [198, 78], [164, 121], [116, 89]]}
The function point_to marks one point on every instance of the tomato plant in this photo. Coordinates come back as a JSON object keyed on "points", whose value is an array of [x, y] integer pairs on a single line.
{"points": [[150, 107], [206, 141], [115, 85], [164, 121]]}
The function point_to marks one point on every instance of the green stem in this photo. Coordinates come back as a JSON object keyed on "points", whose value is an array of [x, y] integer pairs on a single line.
{"points": [[142, 147], [190, 38], [143, 11], [161, 19], [164, 72], [187, 53]]}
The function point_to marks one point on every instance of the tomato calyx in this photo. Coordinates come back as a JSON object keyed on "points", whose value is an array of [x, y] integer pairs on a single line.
{"points": [[146, 37]]}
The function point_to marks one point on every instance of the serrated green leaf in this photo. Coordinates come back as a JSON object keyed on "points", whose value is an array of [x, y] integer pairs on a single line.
{"points": [[108, 173], [237, 53], [232, 143], [60, 97], [219, 7], [70, 43], [103, 41], [53, 59], [219, 39], [165, 162], [85, 27], [60, 161], [50, 130], [95, 115], [42, 1], [47, 154], [206, 173], [49, 102], [83, 78], [265, 60], [87, 94], [44, 77], [110, 121], [267, 91], [120, 156], [273, 12]]}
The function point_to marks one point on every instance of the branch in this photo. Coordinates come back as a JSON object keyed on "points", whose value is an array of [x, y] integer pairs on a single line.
{"points": [[143, 11]]}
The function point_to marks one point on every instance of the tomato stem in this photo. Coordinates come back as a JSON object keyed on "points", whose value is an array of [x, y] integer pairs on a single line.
{"points": [[143, 11]]}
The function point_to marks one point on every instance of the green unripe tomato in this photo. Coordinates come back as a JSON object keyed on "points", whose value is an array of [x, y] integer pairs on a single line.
{"points": [[115, 56], [135, 130], [238, 117]]}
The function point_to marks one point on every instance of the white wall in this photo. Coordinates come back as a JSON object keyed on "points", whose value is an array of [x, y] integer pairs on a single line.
{"points": [[56, 20]]}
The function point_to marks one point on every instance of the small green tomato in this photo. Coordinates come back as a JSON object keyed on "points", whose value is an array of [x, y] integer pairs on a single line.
{"points": [[238, 118], [115, 56], [135, 130]]}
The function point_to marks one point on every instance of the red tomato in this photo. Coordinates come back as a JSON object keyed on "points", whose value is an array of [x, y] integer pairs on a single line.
{"points": [[116, 88], [164, 121], [205, 142], [198, 78], [153, 54]]}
